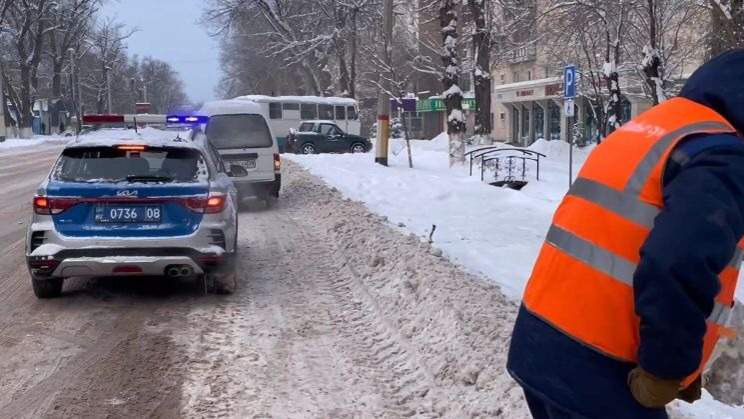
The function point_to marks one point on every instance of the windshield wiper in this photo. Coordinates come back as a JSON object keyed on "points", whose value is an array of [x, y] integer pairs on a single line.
{"points": [[148, 178]]}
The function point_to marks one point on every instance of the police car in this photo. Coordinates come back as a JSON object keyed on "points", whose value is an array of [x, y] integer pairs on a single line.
{"points": [[120, 203]]}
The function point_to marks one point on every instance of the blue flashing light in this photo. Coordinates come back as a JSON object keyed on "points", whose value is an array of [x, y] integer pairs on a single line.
{"points": [[187, 119]]}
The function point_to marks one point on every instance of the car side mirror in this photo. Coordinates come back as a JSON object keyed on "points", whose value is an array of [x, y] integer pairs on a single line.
{"points": [[237, 171]]}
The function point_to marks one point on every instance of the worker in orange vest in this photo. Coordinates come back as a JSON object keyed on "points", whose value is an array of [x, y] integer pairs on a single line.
{"points": [[636, 280]]}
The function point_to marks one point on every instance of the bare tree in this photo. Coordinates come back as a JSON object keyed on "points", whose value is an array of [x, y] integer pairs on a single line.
{"points": [[451, 79], [110, 53], [29, 22], [482, 70], [726, 25], [72, 20]]}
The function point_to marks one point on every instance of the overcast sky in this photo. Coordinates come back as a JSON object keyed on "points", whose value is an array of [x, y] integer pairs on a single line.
{"points": [[168, 30]]}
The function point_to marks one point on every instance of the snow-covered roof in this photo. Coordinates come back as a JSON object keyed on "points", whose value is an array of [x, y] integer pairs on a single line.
{"points": [[145, 136], [230, 107], [300, 99]]}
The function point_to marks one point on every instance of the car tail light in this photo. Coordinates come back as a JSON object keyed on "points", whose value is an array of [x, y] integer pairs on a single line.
{"points": [[132, 147], [277, 162], [213, 204], [52, 206]]}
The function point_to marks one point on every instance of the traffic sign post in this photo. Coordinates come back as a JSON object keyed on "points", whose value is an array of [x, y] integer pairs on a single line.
{"points": [[569, 94]]}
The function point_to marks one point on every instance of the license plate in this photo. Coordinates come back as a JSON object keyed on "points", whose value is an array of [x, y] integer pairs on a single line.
{"points": [[121, 214], [247, 164]]}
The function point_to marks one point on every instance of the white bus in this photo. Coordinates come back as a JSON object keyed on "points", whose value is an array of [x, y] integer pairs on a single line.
{"points": [[287, 112]]}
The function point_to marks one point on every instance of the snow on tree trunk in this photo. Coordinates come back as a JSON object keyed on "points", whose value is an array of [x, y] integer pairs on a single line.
{"points": [[651, 68], [614, 103], [451, 79], [481, 72], [652, 63]]}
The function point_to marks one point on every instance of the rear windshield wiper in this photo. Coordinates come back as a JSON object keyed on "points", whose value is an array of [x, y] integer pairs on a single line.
{"points": [[146, 178]]}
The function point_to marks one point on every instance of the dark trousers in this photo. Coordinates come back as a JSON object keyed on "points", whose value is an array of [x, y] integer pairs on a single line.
{"points": [[542, 409]]}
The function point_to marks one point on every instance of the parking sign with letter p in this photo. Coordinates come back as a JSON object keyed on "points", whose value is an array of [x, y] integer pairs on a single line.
{"points": [[569, 82]]}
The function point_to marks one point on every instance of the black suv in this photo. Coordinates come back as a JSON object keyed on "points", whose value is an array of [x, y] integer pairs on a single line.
{"points": [[325, 137]]}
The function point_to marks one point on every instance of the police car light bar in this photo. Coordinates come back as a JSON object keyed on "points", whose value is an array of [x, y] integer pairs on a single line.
{"points": [[111, 119], [187, 119]]}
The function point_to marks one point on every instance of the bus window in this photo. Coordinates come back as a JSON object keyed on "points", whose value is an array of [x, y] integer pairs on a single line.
{"points": [[325, 111], [352, 113], [275, 110], [308, 111], [340, 113], [291, 111]]}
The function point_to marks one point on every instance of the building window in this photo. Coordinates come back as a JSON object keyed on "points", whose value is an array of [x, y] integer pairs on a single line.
{"points": [[529, 75], [515, 77], [503, 78], [502, 116]]}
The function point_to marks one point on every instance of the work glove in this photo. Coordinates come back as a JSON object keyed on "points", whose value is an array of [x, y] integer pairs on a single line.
{"points": [[651, 391], [693, 392]]}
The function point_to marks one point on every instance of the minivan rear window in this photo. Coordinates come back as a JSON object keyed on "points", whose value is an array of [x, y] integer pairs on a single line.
{"points": [[226, 132], [112, 164]]}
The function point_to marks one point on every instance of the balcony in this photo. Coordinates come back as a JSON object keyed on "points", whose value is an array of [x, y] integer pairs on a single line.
{"points": [[521, 54]]}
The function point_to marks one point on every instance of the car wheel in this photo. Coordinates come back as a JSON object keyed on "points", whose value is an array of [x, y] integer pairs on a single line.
{"points": [[358, 148], [47, 288], [308, 149], [225, 283]]}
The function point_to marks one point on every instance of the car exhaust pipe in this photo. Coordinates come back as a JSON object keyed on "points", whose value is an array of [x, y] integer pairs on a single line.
{"points": [[186, 271], [173, 272]]}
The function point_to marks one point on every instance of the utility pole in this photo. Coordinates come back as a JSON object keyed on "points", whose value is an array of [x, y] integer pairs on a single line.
{"points": [[108, 90], [77, 98], [383, 104]]}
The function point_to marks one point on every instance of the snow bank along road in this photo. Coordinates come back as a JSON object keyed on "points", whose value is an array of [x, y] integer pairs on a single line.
{"points": [[337, 315]]}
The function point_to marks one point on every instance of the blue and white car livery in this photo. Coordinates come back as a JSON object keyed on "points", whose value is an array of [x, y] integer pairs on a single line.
{"points": [[122, 204]]}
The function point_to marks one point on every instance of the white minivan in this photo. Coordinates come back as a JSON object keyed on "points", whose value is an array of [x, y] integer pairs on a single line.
{"points": [[239, 132]]}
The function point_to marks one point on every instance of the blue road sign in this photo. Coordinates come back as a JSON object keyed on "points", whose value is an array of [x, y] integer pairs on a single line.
{"points": [[569, 82]]}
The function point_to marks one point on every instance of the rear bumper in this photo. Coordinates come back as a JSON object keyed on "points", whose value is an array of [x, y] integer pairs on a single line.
{"points": [[126, 262], [260, 189]]}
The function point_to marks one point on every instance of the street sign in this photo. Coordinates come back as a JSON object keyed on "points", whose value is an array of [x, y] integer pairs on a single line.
{"points": [[569, 82], [568, 108]]}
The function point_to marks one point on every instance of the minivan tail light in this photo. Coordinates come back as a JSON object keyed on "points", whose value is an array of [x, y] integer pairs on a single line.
{"points": [[277, 162], [52, 206]]}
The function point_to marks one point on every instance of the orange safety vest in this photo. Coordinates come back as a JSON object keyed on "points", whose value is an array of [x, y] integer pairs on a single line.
{"points": [[582, 283]]}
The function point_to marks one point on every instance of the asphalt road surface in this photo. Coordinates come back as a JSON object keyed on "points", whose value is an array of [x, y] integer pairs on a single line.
{"points": [[337, 315]]}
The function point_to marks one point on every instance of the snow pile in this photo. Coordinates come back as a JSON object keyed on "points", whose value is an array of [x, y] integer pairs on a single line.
{"points": [[16, 144], [494, 232], [490, 231]]}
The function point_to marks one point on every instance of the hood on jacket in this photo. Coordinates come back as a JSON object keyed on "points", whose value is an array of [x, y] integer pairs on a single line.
{"points": [[719, 85]]}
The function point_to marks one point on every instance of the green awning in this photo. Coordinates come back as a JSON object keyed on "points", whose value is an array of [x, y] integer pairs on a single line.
{"points": [[437, 105]]}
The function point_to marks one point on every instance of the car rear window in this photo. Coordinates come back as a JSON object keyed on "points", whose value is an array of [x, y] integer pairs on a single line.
{"points": [[238, 131], [306, 127], [111, 164]]}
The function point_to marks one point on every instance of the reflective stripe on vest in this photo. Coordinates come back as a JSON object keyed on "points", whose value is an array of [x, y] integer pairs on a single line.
{"points": [[583, 280]]}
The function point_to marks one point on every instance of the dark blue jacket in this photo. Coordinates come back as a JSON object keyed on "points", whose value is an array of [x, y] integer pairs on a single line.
{"points": [[693, 239]]}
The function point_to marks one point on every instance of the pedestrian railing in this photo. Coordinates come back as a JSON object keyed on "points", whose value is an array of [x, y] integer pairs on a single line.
{"points": [[507, 159]]}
